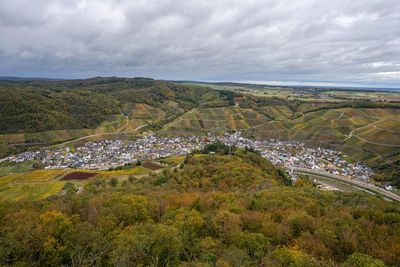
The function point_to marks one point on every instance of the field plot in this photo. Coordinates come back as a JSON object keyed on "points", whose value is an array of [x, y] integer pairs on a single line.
{"points": [[113, 124], [375, 132], [151, 165], [173, 160], [278, 112], [46, 137], [216, 119], [33, 176], [79, 176], [40, 176], [134, 170], [379, 135], [143, 111], [7, 167], [10, 178], [33, 191]]}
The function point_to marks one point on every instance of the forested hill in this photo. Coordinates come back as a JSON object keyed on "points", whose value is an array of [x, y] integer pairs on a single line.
{"points": [[39, 105], [212, 210]]}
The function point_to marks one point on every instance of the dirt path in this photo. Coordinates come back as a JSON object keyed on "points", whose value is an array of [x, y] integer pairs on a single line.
{"points": [[99, 134], [370, 124], [170, 124], [374, 143]]}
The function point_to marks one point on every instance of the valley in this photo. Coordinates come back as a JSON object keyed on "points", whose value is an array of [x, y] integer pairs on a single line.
{"points": [[227, 174], [366, 130]]}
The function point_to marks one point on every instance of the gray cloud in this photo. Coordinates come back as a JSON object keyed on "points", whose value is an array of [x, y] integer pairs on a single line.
{"points": [[355, 42]]}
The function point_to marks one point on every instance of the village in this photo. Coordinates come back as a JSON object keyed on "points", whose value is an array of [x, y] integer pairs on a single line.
{"points": [[107, 154]]}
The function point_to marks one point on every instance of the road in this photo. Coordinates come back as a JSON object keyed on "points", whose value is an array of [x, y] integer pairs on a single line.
{"points": [[371, 124], [357, 183], [374, 143], [99, 134]]}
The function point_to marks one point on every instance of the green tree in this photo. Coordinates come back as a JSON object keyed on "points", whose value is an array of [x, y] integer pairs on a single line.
{"points": [[148, 244], [86, 245], [358, 259]]}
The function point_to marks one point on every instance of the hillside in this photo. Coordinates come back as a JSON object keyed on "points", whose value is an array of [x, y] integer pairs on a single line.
{"points": [[366, 134], [40, 105], [217, 120], [210, 210], [42, 112]]}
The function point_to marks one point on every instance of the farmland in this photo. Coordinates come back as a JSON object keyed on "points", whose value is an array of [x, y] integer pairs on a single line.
{"points": [[143, 111], [307, 94], [376, 127], [40, 184], [7, 167], [215, 120], [113, 124], [32, 191], [33, 176], [368, 134], [79, 176], [364, 123]]}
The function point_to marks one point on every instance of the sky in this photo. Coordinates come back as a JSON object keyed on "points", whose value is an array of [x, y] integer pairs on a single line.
{"points": [[321, 42]]}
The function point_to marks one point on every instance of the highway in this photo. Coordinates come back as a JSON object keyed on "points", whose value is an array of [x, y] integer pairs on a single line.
{"points": [[357, 183]]}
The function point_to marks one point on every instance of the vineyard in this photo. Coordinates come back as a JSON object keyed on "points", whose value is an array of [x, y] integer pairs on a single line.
{"points": [[215, 120], [143, 111], [113, 123], [33, 176], [79, 176], [32, 191], [134, 170]]}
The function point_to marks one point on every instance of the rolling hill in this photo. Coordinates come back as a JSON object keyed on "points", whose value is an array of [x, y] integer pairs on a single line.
{"points": [[212, 210], [43, 112], [366, 134]]}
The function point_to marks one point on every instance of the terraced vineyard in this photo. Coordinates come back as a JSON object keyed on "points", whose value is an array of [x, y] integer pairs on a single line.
{"points": [[215, 120], [143, 111], [113, 124], [278, 112], [371, 135], [368, 134]]}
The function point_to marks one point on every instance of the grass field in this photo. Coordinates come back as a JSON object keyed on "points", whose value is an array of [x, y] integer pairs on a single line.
{"points": [[7, 167]]}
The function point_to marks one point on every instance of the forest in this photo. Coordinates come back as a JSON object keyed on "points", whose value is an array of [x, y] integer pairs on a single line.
{"points": [[211, 210], [40, 105]]}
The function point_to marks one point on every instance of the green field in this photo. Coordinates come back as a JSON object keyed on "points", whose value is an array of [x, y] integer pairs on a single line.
{"points": [[7, 167]]}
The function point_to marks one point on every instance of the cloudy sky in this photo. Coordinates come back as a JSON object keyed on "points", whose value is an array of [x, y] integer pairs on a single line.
{"points": [[329, 42]]}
